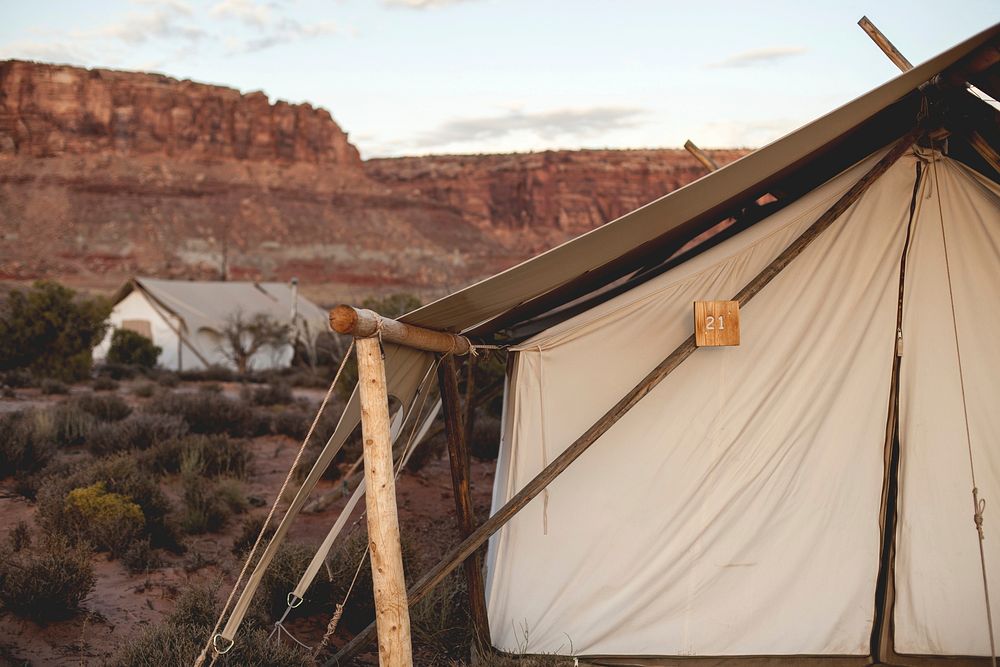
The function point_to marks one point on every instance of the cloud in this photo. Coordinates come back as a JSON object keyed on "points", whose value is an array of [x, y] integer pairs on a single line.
{"points": [[751, 133], [285, 31], [247, 11], [420, 4], [764, 56], [51, 51], [564, 123], [165, 20]]}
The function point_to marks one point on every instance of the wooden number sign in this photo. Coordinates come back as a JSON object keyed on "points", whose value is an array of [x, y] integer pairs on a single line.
{"points": [[716, 323]]}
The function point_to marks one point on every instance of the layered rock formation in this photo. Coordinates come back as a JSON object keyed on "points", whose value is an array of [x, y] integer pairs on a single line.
{"points": [[107, 174]]}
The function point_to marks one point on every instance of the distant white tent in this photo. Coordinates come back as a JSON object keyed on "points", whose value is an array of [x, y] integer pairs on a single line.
{"points": [[187, 318]]}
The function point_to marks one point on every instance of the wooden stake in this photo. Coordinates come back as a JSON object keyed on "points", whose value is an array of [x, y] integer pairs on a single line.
{"points": [[701, 156], [458, 454], [459, 553], [392, 614], [883, 43]]}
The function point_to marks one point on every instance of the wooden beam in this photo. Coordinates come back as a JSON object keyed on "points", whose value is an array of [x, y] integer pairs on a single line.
{"points": [[883, 43], [458, 454], [530, 490], [701, 156], [392, 614], [470, 399], [362, 323]]}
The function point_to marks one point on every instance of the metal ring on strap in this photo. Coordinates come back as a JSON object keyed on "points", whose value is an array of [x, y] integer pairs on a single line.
{"points": [[222, 651]]}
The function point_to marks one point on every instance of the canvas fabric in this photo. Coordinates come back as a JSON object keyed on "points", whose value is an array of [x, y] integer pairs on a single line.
{"points": [[734, 510]]}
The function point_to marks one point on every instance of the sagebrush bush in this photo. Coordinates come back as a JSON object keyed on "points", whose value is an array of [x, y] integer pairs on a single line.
{"points": [[18, 378], [209, 504], [103, 407], [50, 331], [19, 536], [144, 390], [129, 347], [48, 582], [283, 574], [104, 384], [26, 443], [275, 393], [212, 413], [121, 475], [51, 387], [116, 371], [485, 442], [249, 530], [66, 424], [211, 374], [292, 423], [169, 380], [440, 624], [107, 521], [140, 431], [209, 455], [140, 557]]}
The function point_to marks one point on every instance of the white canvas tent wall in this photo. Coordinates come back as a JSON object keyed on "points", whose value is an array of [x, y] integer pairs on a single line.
{"points": [[187, 318], [734, 515]]}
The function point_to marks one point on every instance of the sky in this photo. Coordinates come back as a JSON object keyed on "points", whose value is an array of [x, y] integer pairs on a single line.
{"points": [[414, 77]]}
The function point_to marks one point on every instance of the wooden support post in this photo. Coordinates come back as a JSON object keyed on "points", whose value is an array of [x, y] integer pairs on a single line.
{"points": [[470, 399], [883, 43], [529, 491], [458, 454], [392, 614], [701, 156]]}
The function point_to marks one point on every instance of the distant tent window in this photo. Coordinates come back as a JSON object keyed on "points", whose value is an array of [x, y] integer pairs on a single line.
{"points": [[141, 327]]}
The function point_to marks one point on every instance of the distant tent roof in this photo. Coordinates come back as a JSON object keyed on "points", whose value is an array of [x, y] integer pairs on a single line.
{"points": [[794, 164]]}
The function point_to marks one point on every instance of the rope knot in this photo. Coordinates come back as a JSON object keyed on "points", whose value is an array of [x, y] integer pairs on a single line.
{"points": [[979, 507]]}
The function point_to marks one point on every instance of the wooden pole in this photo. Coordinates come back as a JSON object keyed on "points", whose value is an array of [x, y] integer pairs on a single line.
{"points": [[701, 156], [883, 43], [392, 615], [468, 546], [470, 399], [361, 323], [458, 454]]}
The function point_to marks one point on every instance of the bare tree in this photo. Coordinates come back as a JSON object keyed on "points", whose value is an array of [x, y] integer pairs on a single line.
{"points": [[245, 337]]}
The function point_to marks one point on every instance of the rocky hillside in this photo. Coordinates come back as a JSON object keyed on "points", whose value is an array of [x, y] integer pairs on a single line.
{"points": [[105, 174]]}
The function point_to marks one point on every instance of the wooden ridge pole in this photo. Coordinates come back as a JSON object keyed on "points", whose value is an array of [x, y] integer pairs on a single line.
{"points": [[701, 156], [469, 546], [891, 52], [458, 454], [392, 613], [362, 323]]}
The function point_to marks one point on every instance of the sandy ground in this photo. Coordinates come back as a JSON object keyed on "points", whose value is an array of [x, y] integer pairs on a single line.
{"points": [[122, 603]]}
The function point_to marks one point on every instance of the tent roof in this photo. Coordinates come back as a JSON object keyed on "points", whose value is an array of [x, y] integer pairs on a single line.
{"points": [[654, 232], [207, 304]]}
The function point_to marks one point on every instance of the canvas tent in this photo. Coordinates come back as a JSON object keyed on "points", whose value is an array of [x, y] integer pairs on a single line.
{"points": [[186, 319], [805, 497]]}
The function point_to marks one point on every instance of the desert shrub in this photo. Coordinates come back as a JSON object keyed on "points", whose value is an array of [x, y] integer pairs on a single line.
{"points": [[392, 305], [429, 450], [209, 456], [17, 378], [292, 423], [209, 504], [116, 371], [140, 431], [210, 388], [210, 413], [25, 443], [105, 408], [129, 347], [53, 387], [275, 393], [249, 530], [169, 380], [103, 383], [66, 424], [48, 582], [50, 331], [440, 623], [121, 475], [485, 441], [145, 390], [214, 373], [19, 536], [140, 557], [108, 521], [246, 336]]}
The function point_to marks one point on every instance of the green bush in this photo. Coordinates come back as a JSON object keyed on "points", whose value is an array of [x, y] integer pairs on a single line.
{"points": [[209, 504], [48, 582], [131, 348], [292, 423], [145, 390], [212, 413], [50, 331], [169, 380], [25, 442], [52, 387], [139, 431], [140, 558], [121, 475], [108, 521], [104, 383], [105, 408], [210, 456], [66, 424], [116, 371], [276, 393], [249, 530]]}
